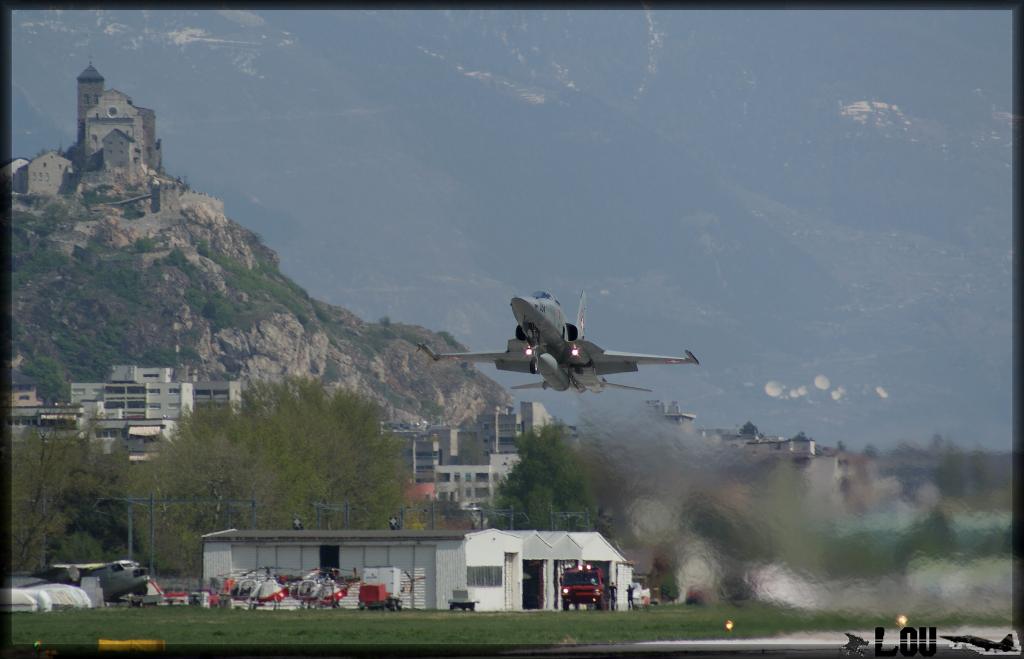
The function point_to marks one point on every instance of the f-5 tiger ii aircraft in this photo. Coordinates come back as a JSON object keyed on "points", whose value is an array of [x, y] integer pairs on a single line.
{"points": [[547, 345]]}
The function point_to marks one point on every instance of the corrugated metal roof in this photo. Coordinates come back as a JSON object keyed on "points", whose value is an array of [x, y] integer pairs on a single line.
{"points": [[258, 535]]}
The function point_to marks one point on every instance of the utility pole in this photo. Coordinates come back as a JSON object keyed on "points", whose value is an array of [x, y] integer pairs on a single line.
{"points": [[152, 533], [151, 501], [131, 532]]}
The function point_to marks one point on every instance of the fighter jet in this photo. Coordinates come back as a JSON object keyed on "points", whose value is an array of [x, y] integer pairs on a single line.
{"points": [[1005, 645], [117, 579], [854, 644], [547, 345]]}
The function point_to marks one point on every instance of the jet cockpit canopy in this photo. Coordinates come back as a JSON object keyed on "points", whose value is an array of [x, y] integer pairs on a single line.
{"points": [[544, 295]]}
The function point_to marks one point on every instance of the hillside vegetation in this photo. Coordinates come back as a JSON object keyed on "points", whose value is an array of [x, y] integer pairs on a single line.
{"points": [[95, 285]]}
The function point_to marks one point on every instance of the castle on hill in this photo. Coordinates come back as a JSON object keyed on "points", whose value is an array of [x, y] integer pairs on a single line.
{"points": [[114, 134], [115, 137]]}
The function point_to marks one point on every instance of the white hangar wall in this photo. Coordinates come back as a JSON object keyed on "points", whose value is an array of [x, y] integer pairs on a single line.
{"points": [[433, 563], [494, 570], [501, 570]]}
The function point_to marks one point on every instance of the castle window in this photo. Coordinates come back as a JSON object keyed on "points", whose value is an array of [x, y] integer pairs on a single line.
{"points": [[112, 111]]}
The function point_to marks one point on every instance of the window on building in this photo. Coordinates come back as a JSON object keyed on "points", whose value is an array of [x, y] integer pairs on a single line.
{"points": [[444, 478], [483, 575], [154, 406], [136, 404], [174, 390], [114, 390], [458, 477], [136, 390], [482, 493], [114, 405], [482, 476]]}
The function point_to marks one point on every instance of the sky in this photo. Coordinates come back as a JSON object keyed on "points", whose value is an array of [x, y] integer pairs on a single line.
{"points": [[816, 203]]}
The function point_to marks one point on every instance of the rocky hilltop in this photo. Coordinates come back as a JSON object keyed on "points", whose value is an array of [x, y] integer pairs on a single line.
{"points": [[170, 280]]}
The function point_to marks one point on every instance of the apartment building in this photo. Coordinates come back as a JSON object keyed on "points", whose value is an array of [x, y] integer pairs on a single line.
{"points": [[473, 484]]}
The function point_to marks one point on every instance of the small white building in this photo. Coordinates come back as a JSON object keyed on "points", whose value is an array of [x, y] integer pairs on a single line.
{"points": [[500, 570]]}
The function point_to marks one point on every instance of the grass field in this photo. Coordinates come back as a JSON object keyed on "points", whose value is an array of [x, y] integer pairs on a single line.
{"points": [[187, 628]]}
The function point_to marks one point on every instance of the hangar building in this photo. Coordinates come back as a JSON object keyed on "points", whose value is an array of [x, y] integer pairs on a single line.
{"points": [[501, 570]]}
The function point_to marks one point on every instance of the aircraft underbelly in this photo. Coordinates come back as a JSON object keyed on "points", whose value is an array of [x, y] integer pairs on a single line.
{"points": [[587, 379], [515, 366]]}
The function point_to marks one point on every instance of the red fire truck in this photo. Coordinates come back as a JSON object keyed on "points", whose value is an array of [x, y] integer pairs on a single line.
{"points": [[584, 585]]}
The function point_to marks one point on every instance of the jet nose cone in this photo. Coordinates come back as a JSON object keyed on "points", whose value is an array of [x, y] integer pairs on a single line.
{"points": [[520, 306]]}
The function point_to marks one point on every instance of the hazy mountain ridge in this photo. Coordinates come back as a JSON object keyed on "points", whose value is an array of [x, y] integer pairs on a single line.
{"points": [[709, 171]]}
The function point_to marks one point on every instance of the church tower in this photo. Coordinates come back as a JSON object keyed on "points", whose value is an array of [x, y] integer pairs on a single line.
{"points": [[90, 88]]}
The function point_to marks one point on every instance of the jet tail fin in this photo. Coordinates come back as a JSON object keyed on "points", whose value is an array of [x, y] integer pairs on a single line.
{"points": [[623, 386], [581, 315], [532, 385]]}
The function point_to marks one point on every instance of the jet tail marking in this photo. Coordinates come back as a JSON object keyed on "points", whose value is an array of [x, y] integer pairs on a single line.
{"points": [[581, 315]]}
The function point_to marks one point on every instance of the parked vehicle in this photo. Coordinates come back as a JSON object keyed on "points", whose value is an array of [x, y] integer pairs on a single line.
{"points": [[583, 585]]}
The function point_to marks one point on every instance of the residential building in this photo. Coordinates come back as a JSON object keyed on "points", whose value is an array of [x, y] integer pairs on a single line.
{"points": [[46, 418], [48, 174], [143, 393], [217, 392], [430, 446], [671, 411], [473, 484], [23, 391], [155, 392]]}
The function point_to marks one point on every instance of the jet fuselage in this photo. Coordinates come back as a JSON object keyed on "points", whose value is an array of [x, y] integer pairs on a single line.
{"points": [[549, 340]]}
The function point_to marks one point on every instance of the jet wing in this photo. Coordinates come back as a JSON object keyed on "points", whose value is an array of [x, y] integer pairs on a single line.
{"points": [[613, 361], [613, 385], [513, 359], [80, 566]]}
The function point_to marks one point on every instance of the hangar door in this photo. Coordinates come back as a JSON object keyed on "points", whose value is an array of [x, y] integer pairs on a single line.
{"points": [[243, 557], [417, 562], [329, 556]]}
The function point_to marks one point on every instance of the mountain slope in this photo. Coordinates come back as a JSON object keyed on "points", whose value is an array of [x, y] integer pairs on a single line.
{"points": [[96, 285]]}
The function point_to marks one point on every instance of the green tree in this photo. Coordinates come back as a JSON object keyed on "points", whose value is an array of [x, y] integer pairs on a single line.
{"points": [[56, 481], [49, 376], [749, 429], [548, 477], [290, 444]]}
